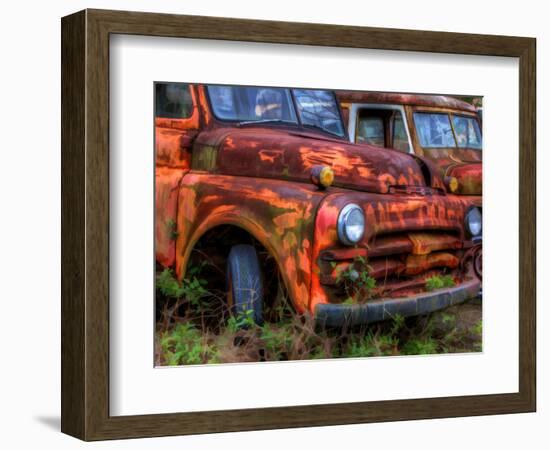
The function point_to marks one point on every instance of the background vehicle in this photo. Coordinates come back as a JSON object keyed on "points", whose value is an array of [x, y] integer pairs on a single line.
{"points": [[441, 129], [264, 181]]}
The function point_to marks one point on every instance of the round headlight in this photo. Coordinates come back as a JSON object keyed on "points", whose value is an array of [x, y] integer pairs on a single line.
{"points": [[351, 224], [473, 221]]}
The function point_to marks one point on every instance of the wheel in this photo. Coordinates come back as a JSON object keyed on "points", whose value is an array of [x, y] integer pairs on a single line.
{"points": [[244, 282]]}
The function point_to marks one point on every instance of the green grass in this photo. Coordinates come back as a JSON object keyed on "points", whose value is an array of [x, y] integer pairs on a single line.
{"points": [[298, 339], [185, 344], [194, 326], [439, 282]]}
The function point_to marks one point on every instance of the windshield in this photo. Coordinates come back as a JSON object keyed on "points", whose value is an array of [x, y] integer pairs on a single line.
{"points": [[468, 134], [245, 104], [318, 108], [435, 131], [249, 105]]}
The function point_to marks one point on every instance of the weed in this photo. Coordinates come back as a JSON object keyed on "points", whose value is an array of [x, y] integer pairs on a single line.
{"points": [[477, 332], [296, 338], [195, 332], [423, 346], [358, 285], [185, 345], [448, 319], [168, 285], [188, 299], [478, 328], [372, 344], [361, 350], [397, 324], [439, 282], [277, 341], [191, 288], [241, 321]]}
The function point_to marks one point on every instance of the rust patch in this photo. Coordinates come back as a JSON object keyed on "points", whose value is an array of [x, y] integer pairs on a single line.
{"points": [[417, 264], [441, 101], [424, 243]]}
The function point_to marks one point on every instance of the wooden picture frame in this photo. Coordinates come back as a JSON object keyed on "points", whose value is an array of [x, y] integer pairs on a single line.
{"points": [[85, 224]]}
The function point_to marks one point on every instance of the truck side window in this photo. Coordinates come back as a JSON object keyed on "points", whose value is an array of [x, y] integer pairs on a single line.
{"points": [[370, 130], [400, 140], [173, 101]]}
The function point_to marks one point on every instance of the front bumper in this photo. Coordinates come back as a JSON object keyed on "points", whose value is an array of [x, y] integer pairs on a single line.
{"points": [[337, 315]]}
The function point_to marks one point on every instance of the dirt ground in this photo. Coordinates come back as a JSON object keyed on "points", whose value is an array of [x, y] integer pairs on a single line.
{"points": [[467, 319], [467, 314]]}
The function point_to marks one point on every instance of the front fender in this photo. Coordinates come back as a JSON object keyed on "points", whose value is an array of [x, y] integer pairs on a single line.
{"points": [[279, 214]]}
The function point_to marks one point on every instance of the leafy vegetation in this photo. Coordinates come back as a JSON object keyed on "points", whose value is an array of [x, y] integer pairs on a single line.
{"points": [[185, 345], [299, 340], [356, 280], [439, 282], [195, 326]]}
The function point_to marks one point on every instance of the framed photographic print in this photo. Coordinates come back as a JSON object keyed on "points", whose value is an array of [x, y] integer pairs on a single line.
{"points": [[271, 224]]}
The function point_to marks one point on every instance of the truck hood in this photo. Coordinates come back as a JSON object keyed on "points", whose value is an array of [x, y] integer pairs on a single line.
{"points": [[290, 155]]}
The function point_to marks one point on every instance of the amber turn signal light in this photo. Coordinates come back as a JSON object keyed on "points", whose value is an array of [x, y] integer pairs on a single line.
{"points": [[452, 184], [322, 176]]}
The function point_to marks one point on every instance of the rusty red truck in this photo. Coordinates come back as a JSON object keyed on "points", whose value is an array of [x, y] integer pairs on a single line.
{"points": [[262, 175], [441, 129]]}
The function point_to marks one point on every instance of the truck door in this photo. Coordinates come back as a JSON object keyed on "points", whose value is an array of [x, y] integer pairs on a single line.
{"points": [[176, 126], [382, 128]]}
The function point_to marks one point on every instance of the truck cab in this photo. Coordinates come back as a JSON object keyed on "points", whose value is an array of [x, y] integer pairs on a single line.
{"points": [[441, 129]]}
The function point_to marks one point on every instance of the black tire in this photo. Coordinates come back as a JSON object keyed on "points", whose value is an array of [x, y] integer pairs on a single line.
{"points": [[244, 282]]}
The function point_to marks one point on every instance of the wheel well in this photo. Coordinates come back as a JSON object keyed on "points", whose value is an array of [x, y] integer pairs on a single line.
{"points": [[214, 246]]}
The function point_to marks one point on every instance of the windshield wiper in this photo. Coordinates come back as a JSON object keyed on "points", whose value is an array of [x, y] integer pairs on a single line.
{"points": [[254, 122], [324, 130], [288, 122]]}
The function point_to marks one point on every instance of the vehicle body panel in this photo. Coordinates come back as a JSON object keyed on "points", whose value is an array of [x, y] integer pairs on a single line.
{"points": [[394, 223], [289, 155], [281, 216]]}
